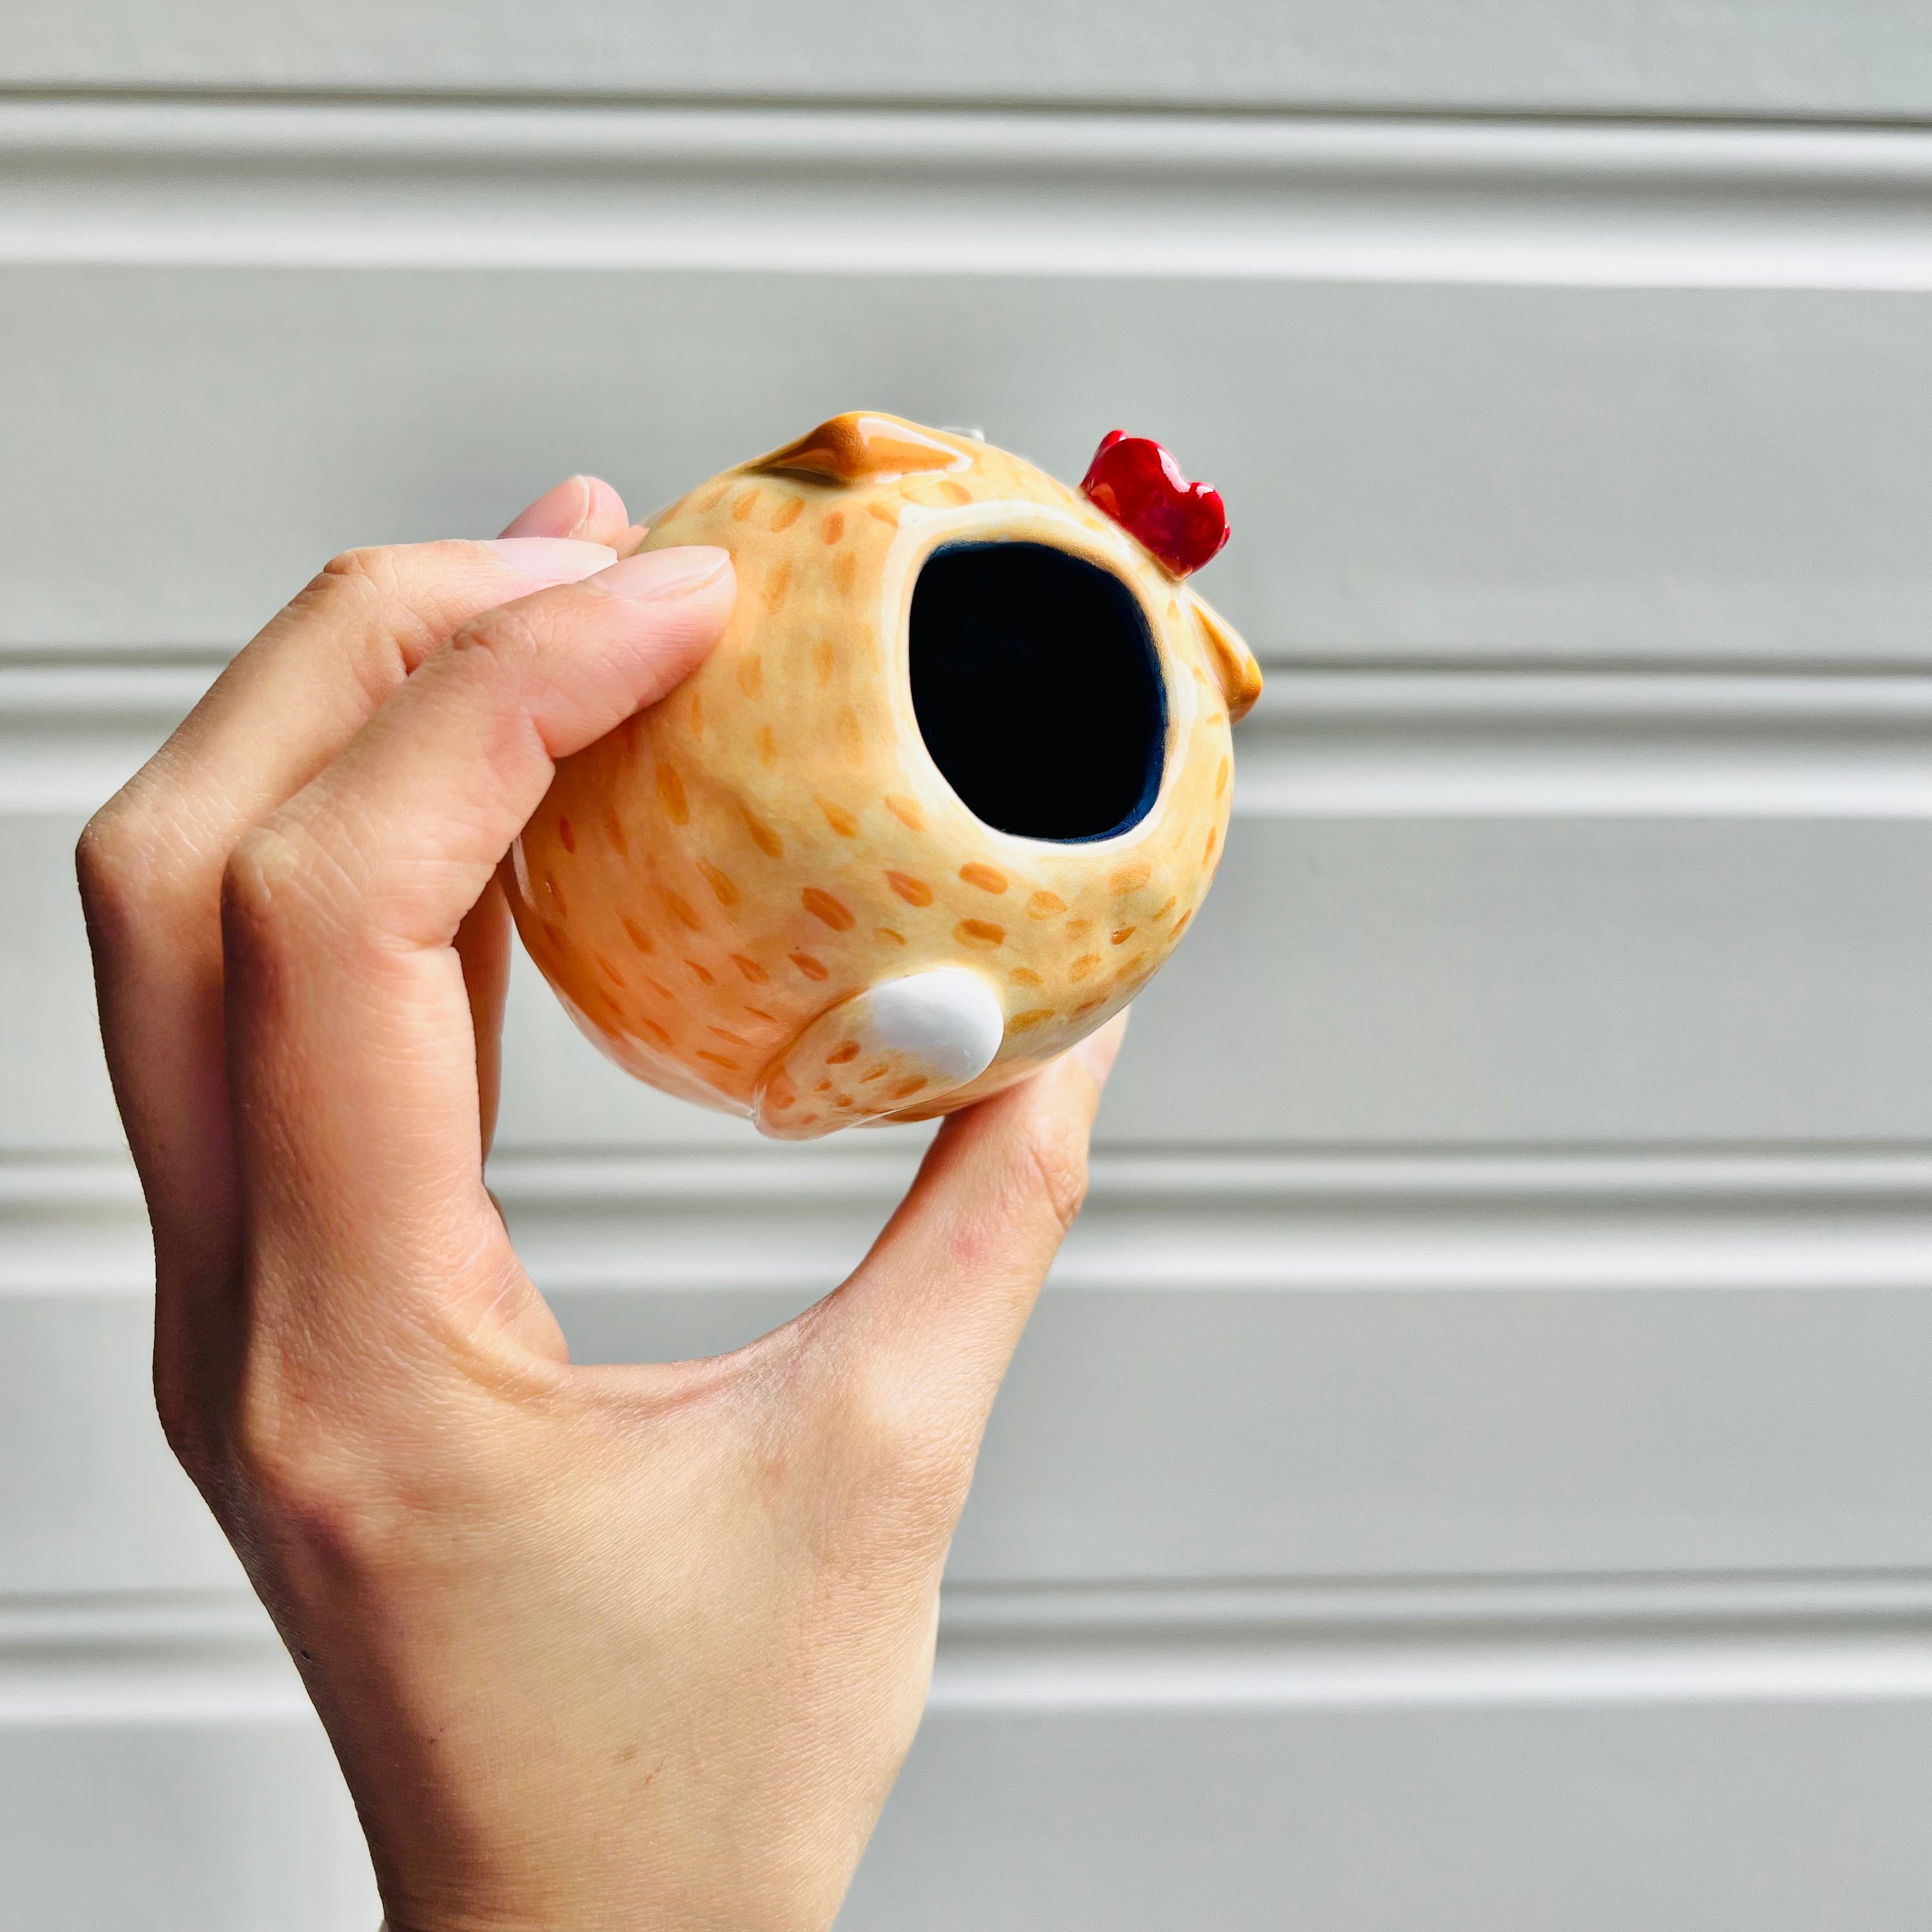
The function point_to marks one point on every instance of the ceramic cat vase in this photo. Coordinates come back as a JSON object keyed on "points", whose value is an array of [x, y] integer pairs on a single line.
{"points": [[941, 801]]}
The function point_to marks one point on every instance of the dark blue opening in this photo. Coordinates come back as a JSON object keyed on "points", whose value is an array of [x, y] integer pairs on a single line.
{"points": [[1038, 690]]}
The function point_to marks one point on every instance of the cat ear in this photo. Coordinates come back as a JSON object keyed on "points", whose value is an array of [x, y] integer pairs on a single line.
{"points": [[856, 448], [1235, 670]]}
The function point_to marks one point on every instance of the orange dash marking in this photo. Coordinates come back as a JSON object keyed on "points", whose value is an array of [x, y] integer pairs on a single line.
{"points": [[670, 789], [823, 906]]}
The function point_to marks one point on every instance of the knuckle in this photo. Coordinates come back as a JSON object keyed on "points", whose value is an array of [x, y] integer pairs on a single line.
{"points": [[349, 587], [123, 853], [191, 1410], [266, 895], [881, 1419], [111, 863], [254, 879], [1052, 1157], [279, 1463], [501, 658], [198, 1447], [906, 1462], [291, 1470], [367, 573], [185, 1426], [365, 595], [501, 641]]}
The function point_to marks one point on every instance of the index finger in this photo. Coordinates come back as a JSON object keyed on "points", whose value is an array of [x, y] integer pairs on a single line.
{"points": [[352, 1059]]}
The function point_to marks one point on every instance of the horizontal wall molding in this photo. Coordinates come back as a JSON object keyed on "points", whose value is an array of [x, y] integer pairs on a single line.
{"points": [[1471, 741], [213, 1657], [1858, 58], [1570, 1641], [307, 183], [1375, 1180], [1500, 1220], [1441, 741], [847, 1172], [1315, 1222], [163, 1658]]}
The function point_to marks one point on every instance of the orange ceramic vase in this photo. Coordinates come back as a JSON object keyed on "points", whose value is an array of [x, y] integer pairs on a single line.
{"points": [[942, 800]]}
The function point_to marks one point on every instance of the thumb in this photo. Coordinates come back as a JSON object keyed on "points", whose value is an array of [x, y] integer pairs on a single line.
{"points": [[935, 1310]]}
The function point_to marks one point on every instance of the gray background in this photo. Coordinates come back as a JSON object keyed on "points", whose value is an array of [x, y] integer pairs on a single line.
{"points": [[1472, 1467]]}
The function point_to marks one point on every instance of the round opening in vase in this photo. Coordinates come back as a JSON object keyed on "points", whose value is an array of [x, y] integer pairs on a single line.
{"points": [[1037, 686]]}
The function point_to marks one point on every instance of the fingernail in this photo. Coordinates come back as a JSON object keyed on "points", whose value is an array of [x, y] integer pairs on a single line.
{"points": [[1099, 1051], [655, 573], [551, 559], [563, 508]]}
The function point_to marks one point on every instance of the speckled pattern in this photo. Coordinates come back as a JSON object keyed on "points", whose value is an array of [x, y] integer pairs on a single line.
{"points": [[716, 875]]}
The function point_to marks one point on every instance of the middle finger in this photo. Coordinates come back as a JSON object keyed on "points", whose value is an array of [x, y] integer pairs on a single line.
{"points": [[151, 863]]}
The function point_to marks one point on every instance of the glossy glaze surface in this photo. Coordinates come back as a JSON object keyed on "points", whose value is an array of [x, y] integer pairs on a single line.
{"points": [[705, 886]]}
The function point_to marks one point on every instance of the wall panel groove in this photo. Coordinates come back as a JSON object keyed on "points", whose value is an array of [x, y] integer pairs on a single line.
{"points": [[599, 1225], [1327, 741], [1666, 57], [873, 191]]}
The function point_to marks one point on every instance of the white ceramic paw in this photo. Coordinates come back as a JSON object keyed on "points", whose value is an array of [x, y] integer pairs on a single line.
{"points": [[900, 1044]]}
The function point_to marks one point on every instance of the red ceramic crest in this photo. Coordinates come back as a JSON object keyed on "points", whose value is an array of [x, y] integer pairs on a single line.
{"points": [[1140, 486]]}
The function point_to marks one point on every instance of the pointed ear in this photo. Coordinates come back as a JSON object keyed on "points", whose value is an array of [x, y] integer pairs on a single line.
{"points": [[1235, 670], [853, 447]]}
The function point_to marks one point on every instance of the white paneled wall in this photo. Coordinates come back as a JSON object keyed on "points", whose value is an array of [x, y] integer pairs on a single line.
{"points": [[1471, 1468]]}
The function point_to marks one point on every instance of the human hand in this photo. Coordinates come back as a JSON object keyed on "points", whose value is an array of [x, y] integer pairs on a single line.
{"points": [[598, 1648]]}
